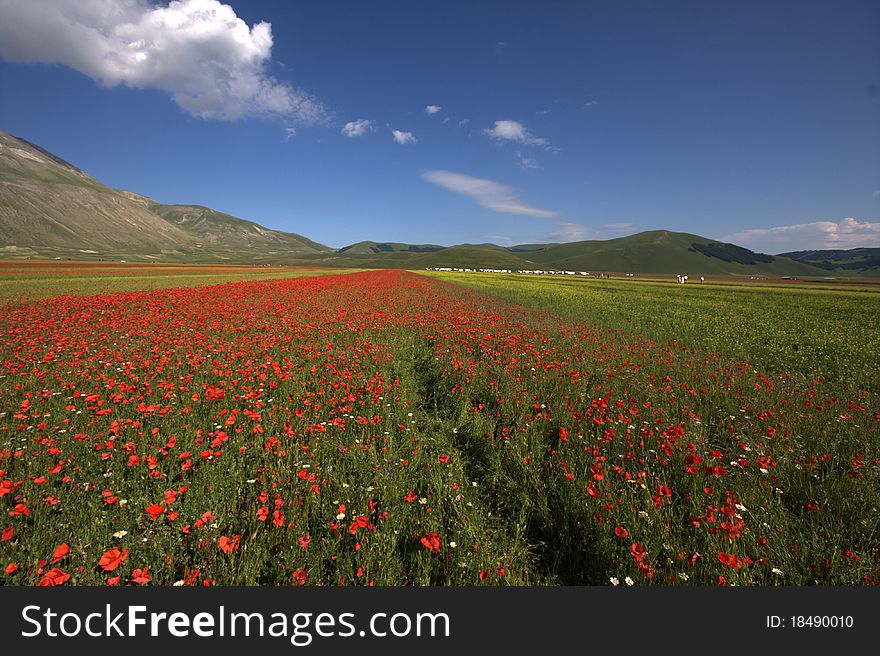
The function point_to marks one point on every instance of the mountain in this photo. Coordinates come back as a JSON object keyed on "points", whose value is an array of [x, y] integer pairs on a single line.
{"points": [[217, 232], [368, 247], [657, 251], [49, 207], [663, 251], [49, 204], [861, 260]]}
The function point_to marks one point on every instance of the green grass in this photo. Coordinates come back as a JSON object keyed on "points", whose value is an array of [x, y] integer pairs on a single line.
{"points": [[814, 331], [412, 432], [17, 288]]}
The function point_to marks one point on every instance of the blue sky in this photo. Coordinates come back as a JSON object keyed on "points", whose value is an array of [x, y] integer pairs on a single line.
{"points": [[755, 122]]}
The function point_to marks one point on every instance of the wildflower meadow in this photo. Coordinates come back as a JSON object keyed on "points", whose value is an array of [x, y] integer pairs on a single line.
{"points": [[388, 428]]}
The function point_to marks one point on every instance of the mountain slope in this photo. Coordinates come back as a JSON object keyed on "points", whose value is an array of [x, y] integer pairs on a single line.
{"points": [[50, 207], [215, 230], [48, 203], [372, 247], [862, 260], [663, 251]]}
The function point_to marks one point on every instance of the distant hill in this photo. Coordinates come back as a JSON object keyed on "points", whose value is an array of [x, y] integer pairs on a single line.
{"points": [[861, 260], [49, 207], [48, 204], [218, 232], [367, 247], [663, 251]]}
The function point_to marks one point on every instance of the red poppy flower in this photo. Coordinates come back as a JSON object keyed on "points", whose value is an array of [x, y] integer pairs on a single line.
{"points": [[431, 542], [60, 552], [11, 568], [300, 577], [730, 559], [140, 576], [155, 510], [7, 534], [443, 458], [112, 559], [228, 545], [215, 393], [621, 532], [54, 576]]}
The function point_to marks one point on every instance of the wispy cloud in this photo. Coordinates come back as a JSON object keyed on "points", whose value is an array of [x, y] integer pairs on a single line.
{"points": [[590, 104], [357, 128], [816, 235], [432, 109], [463, 122], [486, 193], [876, 194], [567, 231], [526, 162], [211, 63], [513, 131], [501, 240], [403, 137]]}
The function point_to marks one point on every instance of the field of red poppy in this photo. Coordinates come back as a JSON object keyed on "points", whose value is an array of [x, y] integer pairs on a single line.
{"points": [[391, 429], [34, 279]]}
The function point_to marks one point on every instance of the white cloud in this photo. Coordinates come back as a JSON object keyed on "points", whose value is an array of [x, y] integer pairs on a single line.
{"points": [[526, 162], [817, 235], [501, 240], [403, 137], [486, 193], [357, 128], [513, 131], [590, 104], [463, 122], [200, 52], [432, 109], [567, 231], [289, 133]]}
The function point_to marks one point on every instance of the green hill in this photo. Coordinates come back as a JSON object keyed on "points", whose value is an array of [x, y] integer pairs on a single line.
{"points": [[219, 232], [662, 251], [50, 208], [865, 261], [372, 247]]}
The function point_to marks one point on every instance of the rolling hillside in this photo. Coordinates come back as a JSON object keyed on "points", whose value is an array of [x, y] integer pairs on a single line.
{"points": [[861, 260], [372, 247], [662, 251], [218, 232], [50, 208], [48, 205]]}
